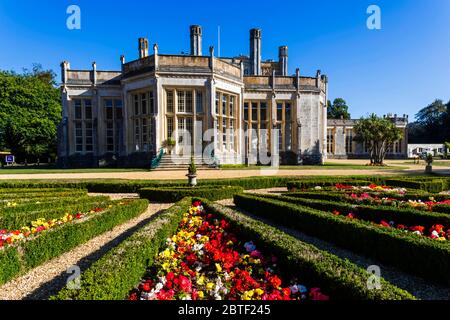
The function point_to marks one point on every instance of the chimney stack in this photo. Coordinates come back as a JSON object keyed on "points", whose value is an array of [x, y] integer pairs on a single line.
{"points": [[255, 51], [143, 48], [196, 40], [283, 60]]}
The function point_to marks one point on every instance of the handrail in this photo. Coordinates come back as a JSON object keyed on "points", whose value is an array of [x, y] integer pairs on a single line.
{"points": [[155, 162]]}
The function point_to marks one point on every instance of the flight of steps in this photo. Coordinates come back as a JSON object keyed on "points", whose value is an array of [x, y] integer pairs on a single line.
{"points": [[166, 163]]}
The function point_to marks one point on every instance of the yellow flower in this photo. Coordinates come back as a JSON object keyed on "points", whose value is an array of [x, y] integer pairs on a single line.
{"points": [[201, 295], [259, 291], [209, 285], [218, 267], [166, 266], [201, 280]]}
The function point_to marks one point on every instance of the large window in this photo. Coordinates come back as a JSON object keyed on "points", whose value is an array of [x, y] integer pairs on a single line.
{"points": [[330, 141], [284, 119], [348, 140], [83, 125], [226, 120], [113, 117], [184, 101], [143, 122]]}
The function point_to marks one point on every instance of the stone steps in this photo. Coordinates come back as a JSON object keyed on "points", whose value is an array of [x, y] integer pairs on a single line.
{"points": [[182, 163]]}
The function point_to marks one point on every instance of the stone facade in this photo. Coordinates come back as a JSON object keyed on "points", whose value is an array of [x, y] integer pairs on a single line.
{"points": [[340, 143], [123, 118]]}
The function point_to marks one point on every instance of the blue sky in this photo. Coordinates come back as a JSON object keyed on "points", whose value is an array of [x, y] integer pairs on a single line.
{"points": [[399, 69]]}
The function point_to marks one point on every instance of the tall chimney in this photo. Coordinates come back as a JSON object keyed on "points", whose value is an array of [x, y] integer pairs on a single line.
{"points": [[143, 48], [255, 51], [283, 60], [196, 40]]}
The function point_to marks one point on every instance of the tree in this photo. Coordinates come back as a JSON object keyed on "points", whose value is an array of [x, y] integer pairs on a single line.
{"points": [[338, 109], [378, 134], [30, 110], [432, 124]]}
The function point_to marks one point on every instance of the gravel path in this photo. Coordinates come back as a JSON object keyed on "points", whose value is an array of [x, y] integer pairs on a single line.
{"points": [[419, 287], [47, 279]]}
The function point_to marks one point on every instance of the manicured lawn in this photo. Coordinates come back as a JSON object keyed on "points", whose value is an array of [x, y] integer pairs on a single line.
{"points": [[35, 170]]}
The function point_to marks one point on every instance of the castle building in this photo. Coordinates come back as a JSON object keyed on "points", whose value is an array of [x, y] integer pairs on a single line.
{"points": [[341, 145], [124, 117]]}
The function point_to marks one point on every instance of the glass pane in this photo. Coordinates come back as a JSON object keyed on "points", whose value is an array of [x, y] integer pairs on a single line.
{"points": [[287, 113], [263, 111], [279, 111], [246, 111], [199, 102], [169, 101], [254, 111]]}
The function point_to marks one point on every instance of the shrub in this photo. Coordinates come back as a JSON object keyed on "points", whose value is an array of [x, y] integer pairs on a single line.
{"points": [[164, 194], [416, 254], [375, 213], [64, 238], [339, 278]]}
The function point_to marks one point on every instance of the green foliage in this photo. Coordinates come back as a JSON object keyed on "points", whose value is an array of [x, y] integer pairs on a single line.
{"points": [[167, 194], [338, 109], [415, 254], [374, 213], [378, 134], [113, 276], [432, 125], [64, 238], [192, 167], [30, 110], [339, 278]]}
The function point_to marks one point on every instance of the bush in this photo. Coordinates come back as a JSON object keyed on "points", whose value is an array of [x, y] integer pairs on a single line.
{"points": [[437, 185], [16, 217], [113, 276], [64, 238], [375, 213], [339, 278], [416, 254], [165, 194], [307, 184]]}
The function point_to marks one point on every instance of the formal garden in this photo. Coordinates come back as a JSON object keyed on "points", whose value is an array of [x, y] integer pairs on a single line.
{"points": [[258, 238]]}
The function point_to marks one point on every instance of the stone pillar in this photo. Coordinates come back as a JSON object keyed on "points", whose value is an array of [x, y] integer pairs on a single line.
{"points": [[155, 52], [255, 51], [196, 40], [283, 60]]}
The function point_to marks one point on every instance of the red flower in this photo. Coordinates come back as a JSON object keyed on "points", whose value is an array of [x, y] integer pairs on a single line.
{"points": [[275, 281], [336, 213], [401, 227], [185, 284], [385, 224], [417, 228], [196, 203]]}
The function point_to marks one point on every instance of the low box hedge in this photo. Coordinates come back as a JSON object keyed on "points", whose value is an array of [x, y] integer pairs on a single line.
{"points": [[374, 213], [335, 276], [411, 253], [293, 186], [16, 217], [54, 242], [174, 194], [118, 271]]}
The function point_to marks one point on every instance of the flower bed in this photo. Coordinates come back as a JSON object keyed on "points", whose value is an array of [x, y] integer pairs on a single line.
{"points": [[10, 237], [205, 260], [21, 256], [416, 254]]}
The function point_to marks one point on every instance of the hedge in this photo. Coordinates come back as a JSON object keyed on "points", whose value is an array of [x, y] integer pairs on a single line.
{"points": [[375, 213], [306, 184], [118, 271], [436, 185], [42, 195], [177, 193], [337, 277], [131, 186], [21, 216], [62, 239], [416, 254]]}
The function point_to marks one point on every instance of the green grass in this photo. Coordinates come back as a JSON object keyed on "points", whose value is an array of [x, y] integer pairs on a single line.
{"points": [[326, 166], [36, 170]]}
